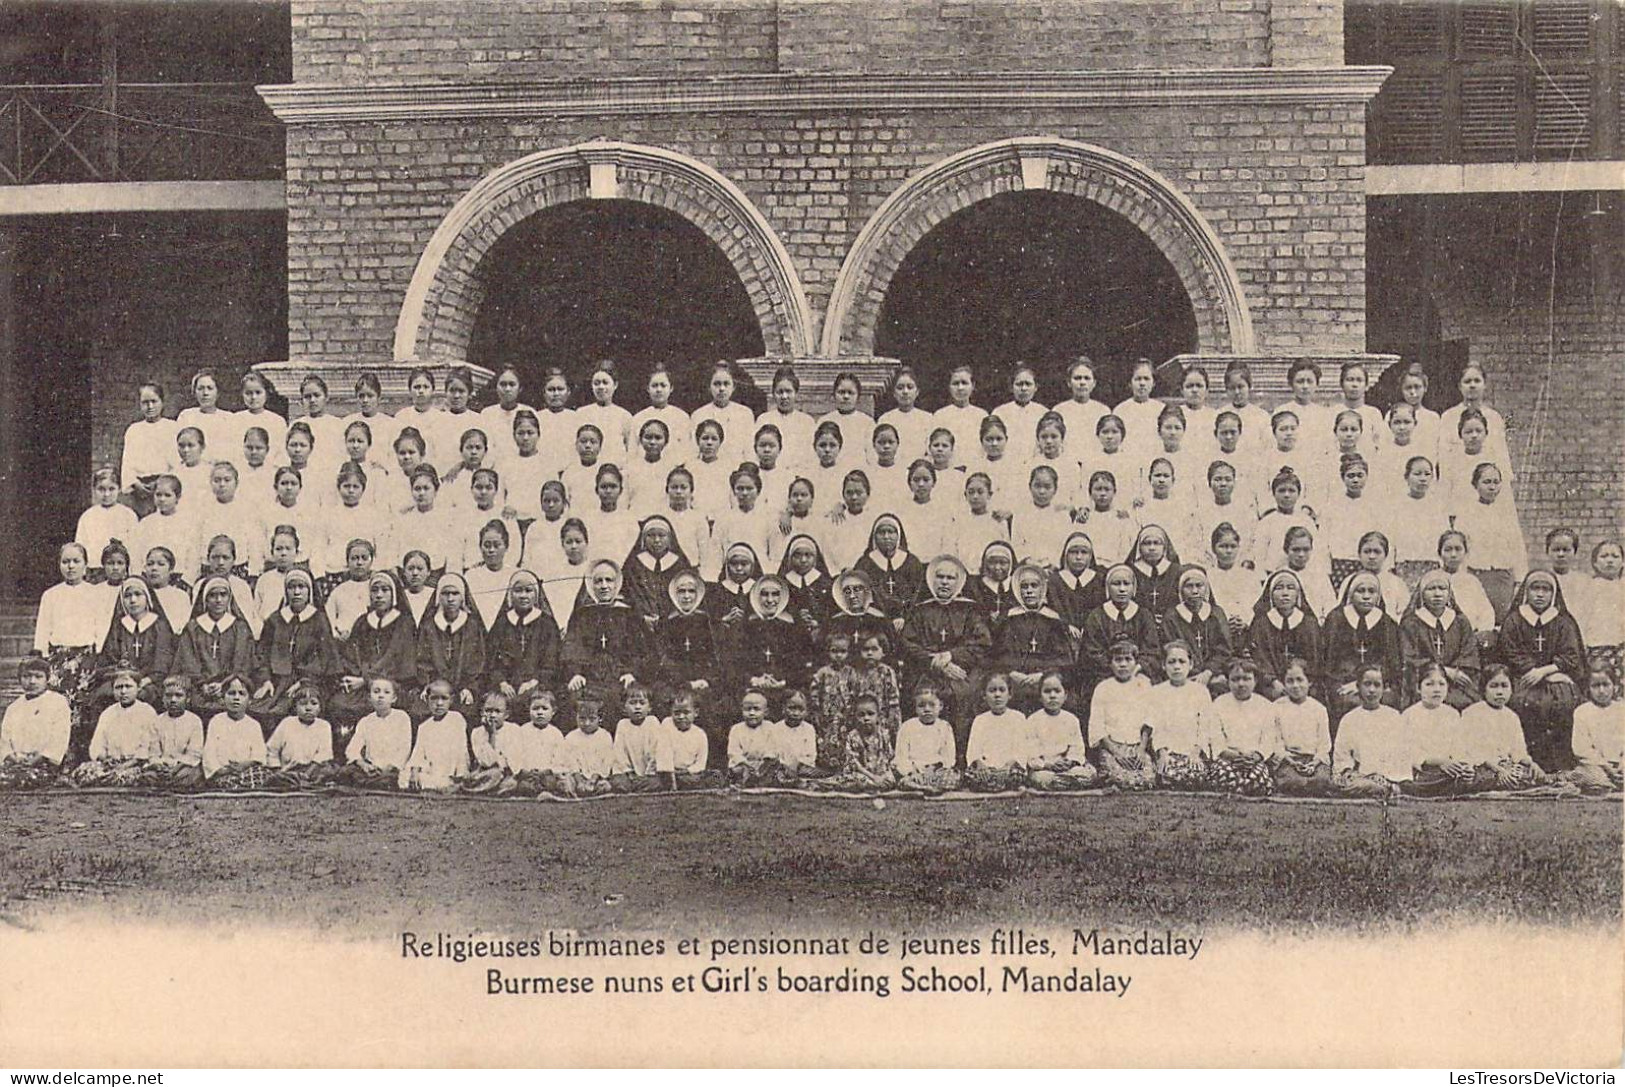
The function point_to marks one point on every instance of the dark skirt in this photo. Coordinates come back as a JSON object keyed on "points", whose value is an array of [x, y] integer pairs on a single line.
{"points": [[1547, 713]]}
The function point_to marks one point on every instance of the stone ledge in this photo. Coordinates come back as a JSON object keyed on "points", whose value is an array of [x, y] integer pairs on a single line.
{"points": [[341, 374], [319, 103]]}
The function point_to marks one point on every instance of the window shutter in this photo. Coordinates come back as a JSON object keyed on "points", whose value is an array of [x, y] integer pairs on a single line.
{"points": [[1413, 30], [1489, 117], [1412, 117], [1562, 28], [1489, 29], [1562, 114]]}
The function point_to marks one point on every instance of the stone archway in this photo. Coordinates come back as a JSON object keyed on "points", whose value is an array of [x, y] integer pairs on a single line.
{"points": [[1133, 190], [437, 315]]}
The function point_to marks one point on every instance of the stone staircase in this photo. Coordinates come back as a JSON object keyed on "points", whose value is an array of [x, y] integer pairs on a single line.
{"points": [[16, 642]]}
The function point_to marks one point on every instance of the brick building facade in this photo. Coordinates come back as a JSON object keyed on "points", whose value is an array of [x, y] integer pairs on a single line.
{"points": [[813, 146], [1227, 130]]}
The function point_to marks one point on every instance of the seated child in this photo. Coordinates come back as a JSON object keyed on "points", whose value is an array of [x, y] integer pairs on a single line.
{"points": [[531, 751], [34, 733], [1058, 759], [587, 753], [1242, 736], [488, 771], [637, 736], [753, 760], [1435, 734], [303, 743], [124, 736], [795, 738], [1491, 737], [177, 750], [1178, 712], [234, 742], [382, 742], [1000, 741], [1372, 755], [867, 765], [1119, 730], [1599, 735], [924, 759], [1302, 765], [440, 757], [684, 749]]}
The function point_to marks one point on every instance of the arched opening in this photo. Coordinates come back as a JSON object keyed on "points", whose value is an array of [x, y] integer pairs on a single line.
{"points": [[620, 279], [1038, 276]]}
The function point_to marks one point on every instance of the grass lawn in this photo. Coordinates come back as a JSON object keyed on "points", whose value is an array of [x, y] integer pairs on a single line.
{"points": [[373, 865]]}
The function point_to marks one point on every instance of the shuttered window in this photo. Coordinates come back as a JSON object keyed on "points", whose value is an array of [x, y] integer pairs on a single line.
{"points": [[1492, 80]]}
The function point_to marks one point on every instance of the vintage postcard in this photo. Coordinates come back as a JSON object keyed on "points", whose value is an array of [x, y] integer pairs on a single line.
{"points": [[812, 533]]}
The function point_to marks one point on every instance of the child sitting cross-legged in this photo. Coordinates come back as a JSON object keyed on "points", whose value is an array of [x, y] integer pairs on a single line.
{"points": [[34, 733], [234, 742], [1180, 713], [1599, 734], [124, 736], [1301, 765], [302, 745], [382, 742], [530, 751], [924, 759], [796, 739], [683, 749], [440, 756], [489, 769], [587, 753], [1373, 754], [1490, 737], [1058, 759], [1242, 736], [177, 749], [636, 738], [753, 760], [1001, 741], [1435, 734], [866, 765], [1119, 729]]}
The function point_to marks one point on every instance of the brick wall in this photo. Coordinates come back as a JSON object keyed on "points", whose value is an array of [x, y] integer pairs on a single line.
{"points": [[358, 41], [1550, 334], [1282, 186], [1033, 35], [1305, 33], [361, 41]]}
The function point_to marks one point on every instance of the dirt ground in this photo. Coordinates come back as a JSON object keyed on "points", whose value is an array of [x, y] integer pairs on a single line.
{"points": [[372, 865]]}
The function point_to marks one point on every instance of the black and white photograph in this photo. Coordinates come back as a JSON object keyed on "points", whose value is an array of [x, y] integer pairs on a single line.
{"points": [[890, 533]]}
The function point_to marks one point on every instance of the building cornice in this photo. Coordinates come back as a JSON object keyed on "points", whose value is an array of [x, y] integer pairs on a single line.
{"points": [[322, 103]]}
